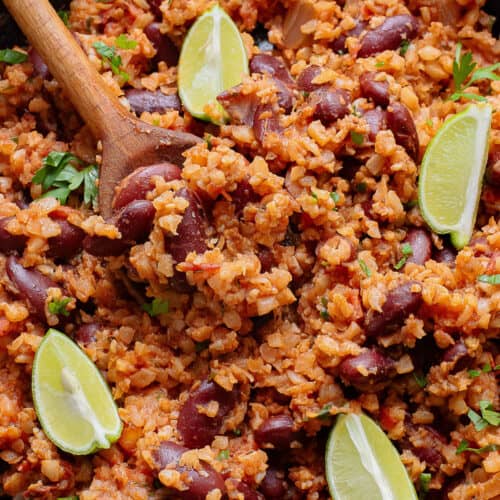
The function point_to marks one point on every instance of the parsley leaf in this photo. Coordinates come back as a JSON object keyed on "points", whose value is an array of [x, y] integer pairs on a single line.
{"points": [[488, 416], [124, 42], [465, 74], [59, 306], [475, 373], [59, 172], [425, 479], [12, 56], [364, 267], [223, 455], [405, 45], [357, 138], [491, 279], [110, 56], [464, 446], [156, 307]]}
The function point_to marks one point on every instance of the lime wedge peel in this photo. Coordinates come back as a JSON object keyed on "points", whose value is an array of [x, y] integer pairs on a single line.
{"points": [[213, 58], [452, 171], [72, 400], [361, 462]]}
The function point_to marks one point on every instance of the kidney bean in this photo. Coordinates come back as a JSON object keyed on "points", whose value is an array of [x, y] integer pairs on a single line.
{"points": [[389, 35], [265, 121], [136, 220], [377, 121], [31, 285], [399, 304], [350, 165], [136, 185], [305, 79], [242, 195], [421, 245], [100, 246], [86, 333], [377, 91], [197, 429], [248, 492], [155, 8], [400, 121], [285, 96], [166, 51], [331, 105], [276, 431], [379, 368], [10, 242], [430, 452], [446, 255], [339, 45], [274, 484], [66, 244], [458, 355], [266, 258], [142, 100], [493, 169], [200, 482], [39, 66], [191, 232], [266, 63]]}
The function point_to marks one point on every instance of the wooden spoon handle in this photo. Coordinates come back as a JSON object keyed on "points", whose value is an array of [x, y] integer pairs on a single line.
{"points": [[84, 86]]}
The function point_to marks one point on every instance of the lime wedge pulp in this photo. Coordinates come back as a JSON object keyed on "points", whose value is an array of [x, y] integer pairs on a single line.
{"points": [[451, 174], [72, 401], [362, 463], [213, 59]]}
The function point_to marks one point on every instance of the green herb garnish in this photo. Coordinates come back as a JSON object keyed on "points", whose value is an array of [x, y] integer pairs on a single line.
{"points": [[156, 307], [405, 45], [361, 187], [421, 380], [12, 56], [110, 56], [357, 138], [464, 446], [425, 480], [223, 455], [324, 311], [488, 416], [59, 306], [64, 15], [324, 413], [485, 369], [465, 74], [364, 267], [124, 42], [491, 279], [58, 172], [406, 250]]}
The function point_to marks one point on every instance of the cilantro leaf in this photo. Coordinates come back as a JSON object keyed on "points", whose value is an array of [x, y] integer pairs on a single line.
{"points": [[491, 279], [405, 45], [324, 413], [357, 138], [64, 15], [110, 56], [223, 455], [12, 56], [59, 306], [156, 307], [123, 42], [488, 413], [90, 191], [463, 66], [425, 480], [364, 267], [477, 420], [464, 446], [421, 380]]}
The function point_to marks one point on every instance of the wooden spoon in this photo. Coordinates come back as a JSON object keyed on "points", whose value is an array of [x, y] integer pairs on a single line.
{"points": [[127, 142]]}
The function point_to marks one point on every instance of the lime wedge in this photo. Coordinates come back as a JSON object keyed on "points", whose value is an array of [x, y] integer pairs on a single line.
{"points": [[213, 59], [362, 463], [452, 170], [72, 401]]}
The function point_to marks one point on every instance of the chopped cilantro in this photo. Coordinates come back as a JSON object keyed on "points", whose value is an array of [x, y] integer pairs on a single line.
{"points": [[465, 74], [380, 64], [421, 380], [485, 369], [156, 307], [488, 416], [58, 172], [405, 45], [364, 267], [314, 196], [410, 204], [123, 42], [425, 480], [110, 56], [237, 432], [59, 306], [357, 138], [429, 122], [324, 311], [64, 15], [208, 140], [223, 455], [464, 446], [324, 413], [406, 250], [305, 94], [15, 139], [335, 196], [12, 56], [491, 279]]}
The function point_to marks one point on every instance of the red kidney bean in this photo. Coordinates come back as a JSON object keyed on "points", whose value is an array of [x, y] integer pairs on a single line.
{"points": [[240, 106], [429, 453], [399, 304], [100, 246], [446, 255], [493, 169], [31, 284], [389, 35], [165, 49], [10, 242], [458, 355], [275, 67], [274, 484], [400, 121], [136, 185], [266, 258], [305, 79], [200, 482], [68, 243], [191, 232], [338, 45], [377, 91], [86, 334], [142, 100], [265, 121], [377, 121], [421, 245], [350, 165], [155, 8], [277, 432], [248, 492], [197, 429], [39, 66], [330, 105], [379, 368], [242, 195], [285, 96]]}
